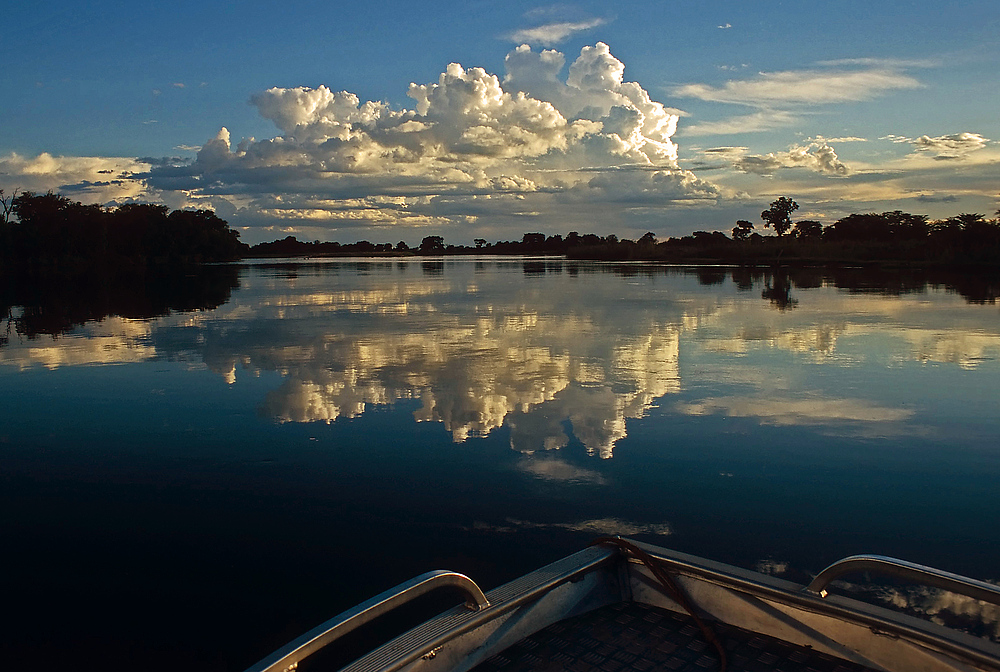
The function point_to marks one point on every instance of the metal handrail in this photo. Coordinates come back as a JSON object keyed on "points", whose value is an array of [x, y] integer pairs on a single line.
{"points": [[928, 576], [288, 657]]}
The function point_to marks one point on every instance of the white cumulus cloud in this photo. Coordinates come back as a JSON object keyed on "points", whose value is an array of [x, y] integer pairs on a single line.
{"points": [[470, 139]]}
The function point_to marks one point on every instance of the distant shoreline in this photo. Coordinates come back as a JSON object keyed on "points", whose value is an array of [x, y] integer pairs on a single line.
{"points": [[52, 234]]}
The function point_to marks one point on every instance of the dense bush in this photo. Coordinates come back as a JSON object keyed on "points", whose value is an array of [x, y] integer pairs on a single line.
{"points": [[52, 231]]}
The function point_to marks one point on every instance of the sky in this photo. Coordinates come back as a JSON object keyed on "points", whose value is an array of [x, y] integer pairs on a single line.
{"points": [[390, 121]]}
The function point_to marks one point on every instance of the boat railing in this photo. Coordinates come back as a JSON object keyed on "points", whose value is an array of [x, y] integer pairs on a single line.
{"points": [[287, 658], [909, 571]]}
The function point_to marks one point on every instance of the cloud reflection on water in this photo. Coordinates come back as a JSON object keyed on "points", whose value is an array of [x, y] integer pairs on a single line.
{"points": [[797, 411], [574, 351]]}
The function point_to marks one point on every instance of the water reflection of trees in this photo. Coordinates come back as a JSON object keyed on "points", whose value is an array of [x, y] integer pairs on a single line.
{"points": [[776, 283], [778, 290], [32, 305]]}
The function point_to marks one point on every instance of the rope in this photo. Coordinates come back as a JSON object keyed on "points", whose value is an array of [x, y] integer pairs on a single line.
{"points": [[670, 588]]}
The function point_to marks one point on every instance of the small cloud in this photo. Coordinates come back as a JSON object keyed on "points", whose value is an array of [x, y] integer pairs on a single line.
{"points": [[150, 121], [553, 33], [958, 143], [188, 148], [729, 152], [156, 92], [817, 156], [847, 138], [943, 147], [725, 26], [179, 85], [553, 469], [932, 198]]}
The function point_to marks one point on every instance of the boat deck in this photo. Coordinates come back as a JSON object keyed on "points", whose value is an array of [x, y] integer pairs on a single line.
{"points": [[629, 637]]}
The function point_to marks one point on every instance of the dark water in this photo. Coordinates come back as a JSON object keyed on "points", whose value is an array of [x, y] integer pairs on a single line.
{"points": [[190, 480]]}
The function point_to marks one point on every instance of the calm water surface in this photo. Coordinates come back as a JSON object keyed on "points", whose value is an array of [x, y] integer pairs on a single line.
{"points": [[196, 488]]}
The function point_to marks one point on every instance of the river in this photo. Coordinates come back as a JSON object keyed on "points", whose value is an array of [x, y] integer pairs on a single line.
{"points": [[190, 480]]}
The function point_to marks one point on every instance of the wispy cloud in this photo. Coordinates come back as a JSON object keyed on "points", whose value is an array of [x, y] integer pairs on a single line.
{"points": [[936, 198], [725, 26], [808, 87], [846, 138], [892, 63], [763, 120], [549, 34], [781, 97]]}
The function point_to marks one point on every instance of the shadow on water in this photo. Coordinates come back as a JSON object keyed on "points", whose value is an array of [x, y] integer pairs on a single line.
{"points": [[34, 305]]}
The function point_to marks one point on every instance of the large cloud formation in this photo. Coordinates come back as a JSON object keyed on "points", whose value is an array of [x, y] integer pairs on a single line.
{"points": [[471, 145]]}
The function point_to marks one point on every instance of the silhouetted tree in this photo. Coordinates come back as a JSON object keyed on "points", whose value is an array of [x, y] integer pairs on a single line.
{"points": [[7, 204], [533, 240], [778, 215], [807, 229], [742, 230], [52, 230], [432, 245]]}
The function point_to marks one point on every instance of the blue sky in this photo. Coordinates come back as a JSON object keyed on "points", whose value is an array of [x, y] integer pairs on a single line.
{"points": [[624, 117]]}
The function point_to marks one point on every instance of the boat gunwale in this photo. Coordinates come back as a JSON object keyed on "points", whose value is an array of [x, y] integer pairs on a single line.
{"points": [[881, 620], [435, 632], [429, 637]]}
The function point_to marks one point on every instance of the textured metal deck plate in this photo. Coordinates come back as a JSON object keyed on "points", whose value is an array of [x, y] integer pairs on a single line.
{"points": [[630, 637]]}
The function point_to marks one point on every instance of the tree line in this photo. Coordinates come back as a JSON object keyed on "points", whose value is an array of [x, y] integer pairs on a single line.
{"points": [[894, 237], [49, 231]]}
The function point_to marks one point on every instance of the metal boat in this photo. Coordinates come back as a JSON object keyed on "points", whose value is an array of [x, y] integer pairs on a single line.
{"points": [[622, 605]]}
